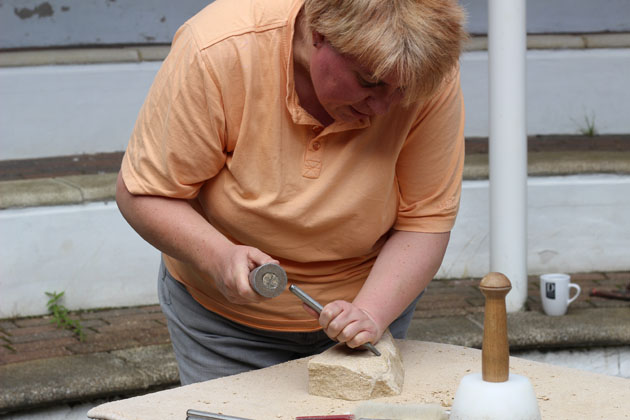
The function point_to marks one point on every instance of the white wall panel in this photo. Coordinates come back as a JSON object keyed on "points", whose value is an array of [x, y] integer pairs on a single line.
{"points": [[576, 224]]}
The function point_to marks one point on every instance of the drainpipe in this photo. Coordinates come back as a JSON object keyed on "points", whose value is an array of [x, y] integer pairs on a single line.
{"points": [[507, 47]]}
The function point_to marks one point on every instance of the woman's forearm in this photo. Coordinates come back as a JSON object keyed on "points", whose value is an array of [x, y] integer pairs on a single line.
{"points": [[405, 266]]}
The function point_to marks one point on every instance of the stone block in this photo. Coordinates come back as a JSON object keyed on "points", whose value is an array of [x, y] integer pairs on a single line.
{"points": [[344, 373]]}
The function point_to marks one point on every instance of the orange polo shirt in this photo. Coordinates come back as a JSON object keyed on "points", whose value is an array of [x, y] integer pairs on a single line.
{"points": [[222, 127]]}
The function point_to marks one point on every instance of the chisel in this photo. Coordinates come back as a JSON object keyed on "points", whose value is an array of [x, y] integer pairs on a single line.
{"points": [[204, 415], [317, 307]]}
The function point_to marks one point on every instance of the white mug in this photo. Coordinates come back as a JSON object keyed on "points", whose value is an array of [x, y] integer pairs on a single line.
{"points": [[554, 293]]}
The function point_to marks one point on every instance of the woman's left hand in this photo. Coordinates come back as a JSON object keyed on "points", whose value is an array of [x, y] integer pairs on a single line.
{"points": [[347, 323]]}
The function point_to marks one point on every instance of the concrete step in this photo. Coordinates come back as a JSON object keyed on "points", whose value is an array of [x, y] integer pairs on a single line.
{"points": [[140, 53], [78, 179]]}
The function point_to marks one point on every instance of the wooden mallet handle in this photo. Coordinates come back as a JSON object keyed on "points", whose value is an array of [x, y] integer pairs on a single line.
{"points": [[495, 353]]}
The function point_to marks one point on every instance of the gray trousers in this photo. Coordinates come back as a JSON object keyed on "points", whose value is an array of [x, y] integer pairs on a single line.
{"points": [[209, 346]]}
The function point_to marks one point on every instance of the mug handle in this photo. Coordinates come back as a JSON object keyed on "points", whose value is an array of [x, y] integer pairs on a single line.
{"points": [[577, 287]]}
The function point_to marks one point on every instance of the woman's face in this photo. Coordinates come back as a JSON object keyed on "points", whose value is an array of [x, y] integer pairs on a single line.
{"points": [[345, 89]]}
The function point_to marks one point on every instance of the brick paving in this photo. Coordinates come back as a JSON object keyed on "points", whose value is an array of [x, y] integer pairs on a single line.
{"points": [[35, 338], [60, 166], [554, 143], [25, 339], [458, 297]]}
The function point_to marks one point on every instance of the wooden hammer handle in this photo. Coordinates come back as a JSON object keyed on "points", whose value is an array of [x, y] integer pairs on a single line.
{"points": [[495, 353]]}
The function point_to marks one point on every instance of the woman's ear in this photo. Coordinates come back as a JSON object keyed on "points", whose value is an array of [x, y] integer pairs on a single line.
{"points": [[318, 39]]}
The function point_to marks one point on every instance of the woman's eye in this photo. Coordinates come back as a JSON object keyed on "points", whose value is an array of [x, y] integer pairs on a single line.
{"points": [[366, 83]]}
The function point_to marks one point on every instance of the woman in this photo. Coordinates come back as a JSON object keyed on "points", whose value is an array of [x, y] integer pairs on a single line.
{"points": [[323, 135]]}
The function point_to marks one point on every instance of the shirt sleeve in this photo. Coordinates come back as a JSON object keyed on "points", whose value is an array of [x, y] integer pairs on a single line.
{"points": [[431, 162], [178, 141]]}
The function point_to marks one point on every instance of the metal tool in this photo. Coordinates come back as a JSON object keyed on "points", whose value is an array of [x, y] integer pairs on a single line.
{"points": [[204, 415], [370, 410], [268, 280], [612, 294], [317, 307]]}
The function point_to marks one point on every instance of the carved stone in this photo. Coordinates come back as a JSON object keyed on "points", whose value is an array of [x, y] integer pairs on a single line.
{"points": [[344, 373]]}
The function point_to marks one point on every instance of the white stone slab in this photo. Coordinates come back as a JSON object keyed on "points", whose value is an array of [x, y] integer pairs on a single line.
{"points": [[563, 88], [73, 109], [89, 251], [576, 224], [433, 372]]}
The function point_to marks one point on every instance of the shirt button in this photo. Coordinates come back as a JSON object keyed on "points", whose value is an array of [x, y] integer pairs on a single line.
{"points": [[316, 145]]}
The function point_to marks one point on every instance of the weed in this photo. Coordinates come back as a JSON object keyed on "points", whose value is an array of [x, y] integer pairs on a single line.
{"points": [[588, 129], [61, 316], [10, 348]]}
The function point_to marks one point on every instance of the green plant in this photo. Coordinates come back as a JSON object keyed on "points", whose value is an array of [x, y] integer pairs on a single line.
{"points": [[588, 129], [61, 315], [10, 348]]}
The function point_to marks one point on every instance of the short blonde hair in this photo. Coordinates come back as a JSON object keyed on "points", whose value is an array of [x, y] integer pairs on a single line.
{"points": [[418, 40]]}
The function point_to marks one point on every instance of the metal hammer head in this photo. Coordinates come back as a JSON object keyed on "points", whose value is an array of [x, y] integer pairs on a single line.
{"points": [[268, 280]]}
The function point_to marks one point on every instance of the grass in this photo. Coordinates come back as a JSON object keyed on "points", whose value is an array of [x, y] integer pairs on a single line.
{"points": [[588, 129], [61, 315], [10, 348]]}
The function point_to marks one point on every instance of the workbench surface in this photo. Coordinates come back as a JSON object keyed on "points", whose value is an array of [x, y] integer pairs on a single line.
{"points": [[432, 374]]}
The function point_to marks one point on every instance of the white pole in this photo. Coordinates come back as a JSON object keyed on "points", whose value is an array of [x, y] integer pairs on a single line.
{"points": [[507, 47]]}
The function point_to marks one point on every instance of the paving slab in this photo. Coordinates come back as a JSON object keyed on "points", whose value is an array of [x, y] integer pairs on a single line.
{"points": [[73, 189], [130, 54], [558, 163], [457, 330], [578, 328], [99, 187], [83, 377], [40, 192]]}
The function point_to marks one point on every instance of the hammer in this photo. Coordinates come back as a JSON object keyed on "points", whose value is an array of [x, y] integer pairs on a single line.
{"points": [[268, 280]]}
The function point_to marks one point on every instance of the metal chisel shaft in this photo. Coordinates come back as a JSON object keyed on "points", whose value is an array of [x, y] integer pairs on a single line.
{"points": [[204, 415], [317, 307]]}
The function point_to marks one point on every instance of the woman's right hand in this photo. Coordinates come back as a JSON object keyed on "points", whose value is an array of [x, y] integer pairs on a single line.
{"points": [[231, 272]]}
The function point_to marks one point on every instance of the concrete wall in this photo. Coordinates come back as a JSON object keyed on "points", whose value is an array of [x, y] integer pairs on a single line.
{"points": [[60, 110], [575, 224], [66, 110], [564, 87], [37, 23], [559, 16], [74, 109]]}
